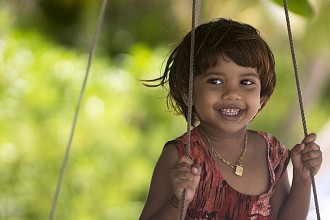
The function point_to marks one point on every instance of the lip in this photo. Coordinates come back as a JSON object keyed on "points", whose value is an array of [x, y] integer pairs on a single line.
{"points": [[231, 113]]}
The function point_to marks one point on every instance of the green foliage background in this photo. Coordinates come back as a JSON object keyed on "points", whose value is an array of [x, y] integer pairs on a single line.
{"points": [[123, 125]]}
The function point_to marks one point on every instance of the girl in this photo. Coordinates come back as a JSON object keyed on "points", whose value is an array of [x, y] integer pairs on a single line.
{"points": [[231, 172]]}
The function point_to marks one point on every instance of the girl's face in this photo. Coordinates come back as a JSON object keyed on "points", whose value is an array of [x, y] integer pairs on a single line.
{"points": [[227, 96]]}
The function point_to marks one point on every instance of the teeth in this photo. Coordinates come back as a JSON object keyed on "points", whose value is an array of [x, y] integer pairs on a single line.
{"points": [[230, 111]]}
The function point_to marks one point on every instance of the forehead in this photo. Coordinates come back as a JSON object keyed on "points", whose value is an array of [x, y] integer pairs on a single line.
{"points": [[225, 65]]}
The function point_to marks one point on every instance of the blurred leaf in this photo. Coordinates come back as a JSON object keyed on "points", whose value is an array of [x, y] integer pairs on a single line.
{"points": [[301, 7]]}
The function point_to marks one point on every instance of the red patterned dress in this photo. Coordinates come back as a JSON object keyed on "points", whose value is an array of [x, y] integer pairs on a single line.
{"points": [[215, 198]]}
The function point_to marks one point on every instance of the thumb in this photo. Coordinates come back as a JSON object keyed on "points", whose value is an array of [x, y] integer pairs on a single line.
{"points": [[309, 138], [196, 169]]}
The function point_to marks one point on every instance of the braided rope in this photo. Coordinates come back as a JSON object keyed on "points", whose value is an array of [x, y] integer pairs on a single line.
{"points": [[311, 170], [75, 119], [190, 94]]}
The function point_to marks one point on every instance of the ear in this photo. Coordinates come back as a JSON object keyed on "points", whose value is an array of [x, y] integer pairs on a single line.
{"points": [[185, 98], [263, 100]]}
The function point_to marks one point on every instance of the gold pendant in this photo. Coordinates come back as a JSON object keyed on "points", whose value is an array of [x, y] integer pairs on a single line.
{"points": [[239, 170]]}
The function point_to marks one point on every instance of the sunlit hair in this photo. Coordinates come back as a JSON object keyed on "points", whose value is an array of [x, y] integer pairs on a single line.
{"points": [[239, 42]]}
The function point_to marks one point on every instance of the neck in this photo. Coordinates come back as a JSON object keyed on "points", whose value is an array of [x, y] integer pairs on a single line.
{"points": [[221, 139]]}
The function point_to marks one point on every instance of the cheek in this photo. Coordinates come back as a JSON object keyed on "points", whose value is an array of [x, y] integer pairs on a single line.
{"points": [[258, 103], [255, 99], [204, 98]]}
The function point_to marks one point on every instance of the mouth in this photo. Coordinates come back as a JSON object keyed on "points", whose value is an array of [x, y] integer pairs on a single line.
{"points": [[231, 112]]}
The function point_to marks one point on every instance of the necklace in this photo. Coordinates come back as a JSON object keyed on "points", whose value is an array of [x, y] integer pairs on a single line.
{"points": [[238, 166]]}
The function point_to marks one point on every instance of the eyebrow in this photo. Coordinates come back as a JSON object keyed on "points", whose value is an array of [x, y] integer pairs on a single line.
{"points": [[248, 74]]}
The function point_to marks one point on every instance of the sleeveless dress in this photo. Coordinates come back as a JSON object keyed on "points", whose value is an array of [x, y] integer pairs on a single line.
{"points": [[215, 198]]}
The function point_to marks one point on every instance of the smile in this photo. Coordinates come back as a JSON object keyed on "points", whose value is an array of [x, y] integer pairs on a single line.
{"points": [[230, 111]]}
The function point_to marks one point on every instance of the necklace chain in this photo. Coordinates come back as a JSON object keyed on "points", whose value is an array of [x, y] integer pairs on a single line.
{"points": [[238, 166]]}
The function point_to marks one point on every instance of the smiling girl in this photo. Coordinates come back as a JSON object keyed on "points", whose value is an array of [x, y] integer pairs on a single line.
{"points": [[231, 172]]}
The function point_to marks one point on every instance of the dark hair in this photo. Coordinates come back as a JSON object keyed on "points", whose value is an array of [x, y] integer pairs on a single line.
{"points": [[239, 42]]}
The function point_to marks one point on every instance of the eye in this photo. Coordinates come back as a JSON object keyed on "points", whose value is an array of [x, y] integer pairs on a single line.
{"points": [[247, 82], [214, 81]]}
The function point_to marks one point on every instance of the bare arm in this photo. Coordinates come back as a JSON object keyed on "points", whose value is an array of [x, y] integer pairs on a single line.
{"points": [[171, 175], [280, 194], [294, 204], [291, 203]]}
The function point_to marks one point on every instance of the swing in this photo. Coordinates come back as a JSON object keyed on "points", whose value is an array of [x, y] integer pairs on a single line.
{"points": [[195, 13], [301, 106]]}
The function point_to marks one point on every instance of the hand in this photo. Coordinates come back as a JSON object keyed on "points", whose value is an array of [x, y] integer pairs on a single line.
{"points": [[305, 156], [185, 175]]}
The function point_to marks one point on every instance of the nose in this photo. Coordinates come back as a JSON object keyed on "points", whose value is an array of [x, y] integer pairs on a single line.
{"points": [[231, 92]]}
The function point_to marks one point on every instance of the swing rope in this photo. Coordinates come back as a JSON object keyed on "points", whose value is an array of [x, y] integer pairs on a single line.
{"points": [[301, 106], [75, 119], [190, 94]]}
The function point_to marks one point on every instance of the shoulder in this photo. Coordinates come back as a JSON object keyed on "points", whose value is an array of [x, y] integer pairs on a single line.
{"points": [[278, 156], [170, 152], [175, 148], [274, 145], [180, 143]]}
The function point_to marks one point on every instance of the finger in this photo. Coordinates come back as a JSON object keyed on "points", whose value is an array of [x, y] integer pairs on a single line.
{"points": [[311, 146], [183, 176], [190, 183], [182, 167], [185, 159], [315, 163], [309, 138], [187, 163], [182, 162], [312, 156], [187, 172], [297, 149], [182, 172], [183, 184]]}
